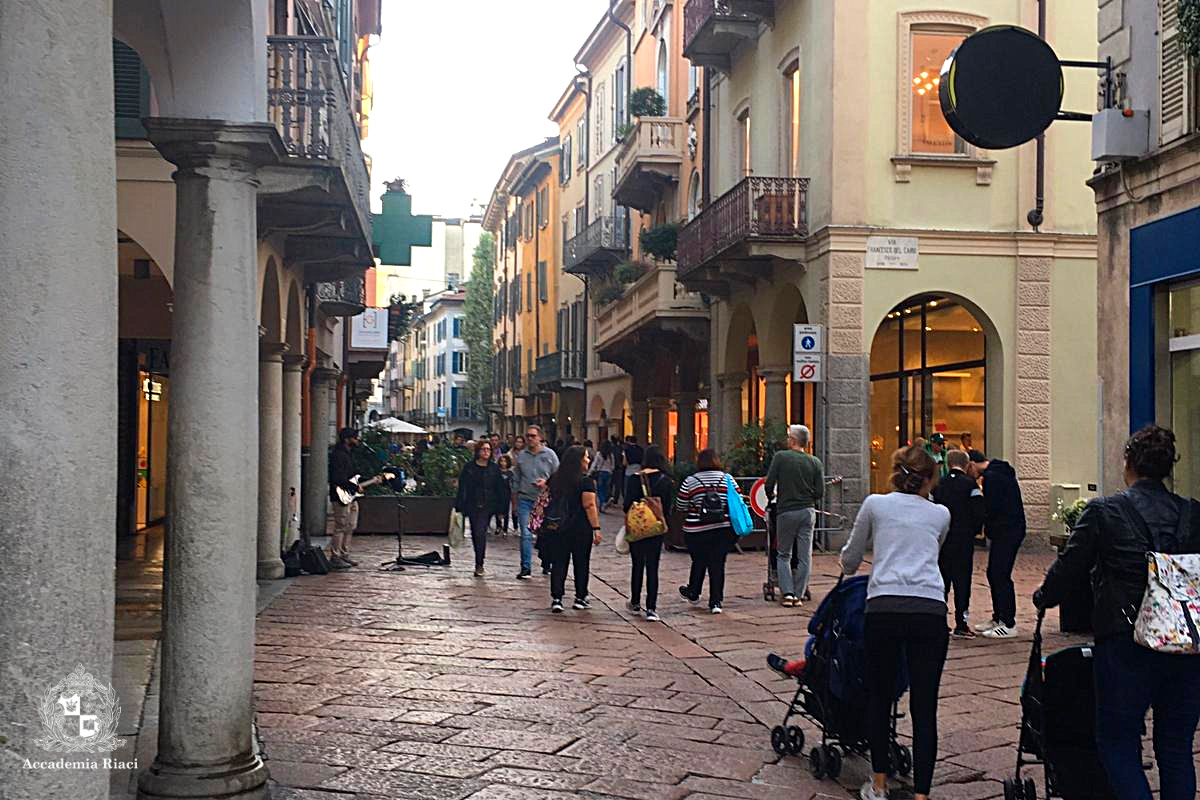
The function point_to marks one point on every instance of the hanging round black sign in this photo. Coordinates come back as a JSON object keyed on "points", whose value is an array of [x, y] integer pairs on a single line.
{"points": [[1001, 87]]}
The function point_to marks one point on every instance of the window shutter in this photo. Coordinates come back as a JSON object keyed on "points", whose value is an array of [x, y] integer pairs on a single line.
{"points": [[131, 92], [1174, 91]]}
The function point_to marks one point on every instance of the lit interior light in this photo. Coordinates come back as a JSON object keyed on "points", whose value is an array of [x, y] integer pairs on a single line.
{"points": [[928, 86], [916, 81], [928, 328], [924, 74], [933, 302], [921, 92]]}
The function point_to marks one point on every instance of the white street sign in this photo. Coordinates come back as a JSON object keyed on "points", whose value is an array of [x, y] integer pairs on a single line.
{"points": [[892, 252], [808, 339], [808, 368]]}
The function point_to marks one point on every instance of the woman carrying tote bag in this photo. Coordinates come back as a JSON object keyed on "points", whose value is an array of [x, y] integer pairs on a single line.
{"points": [[703, 499]]}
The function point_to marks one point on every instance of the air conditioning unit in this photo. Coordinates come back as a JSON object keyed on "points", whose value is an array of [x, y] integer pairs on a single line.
{"points": [[1118, 135]]}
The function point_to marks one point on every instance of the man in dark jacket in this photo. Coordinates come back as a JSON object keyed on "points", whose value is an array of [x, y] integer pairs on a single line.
{"points": [[1004, 524], [959, 492], [345, 515]]}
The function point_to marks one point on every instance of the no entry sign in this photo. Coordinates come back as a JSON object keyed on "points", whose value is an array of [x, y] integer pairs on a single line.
{"points": [[758, 497]]}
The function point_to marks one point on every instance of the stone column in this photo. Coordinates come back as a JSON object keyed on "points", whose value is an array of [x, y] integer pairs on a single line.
{"points": [[316, 476], [641, 419], [270, 459], [685, 442], [731, 409], [840, 419], [293, 375], [57, 508], [1033, 390], [776, 379], [206, 705], [660, 421]]}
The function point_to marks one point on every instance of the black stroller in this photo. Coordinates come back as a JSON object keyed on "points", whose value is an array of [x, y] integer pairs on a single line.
{"points": [[1058, 726], [832, 691]]}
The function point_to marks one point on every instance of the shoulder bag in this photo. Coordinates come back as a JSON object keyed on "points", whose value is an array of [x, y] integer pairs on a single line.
{"points": [[739, 515]]}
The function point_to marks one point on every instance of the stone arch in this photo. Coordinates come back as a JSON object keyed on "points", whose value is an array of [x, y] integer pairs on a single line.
{"points": [[294, 319], [271, 316], [145, 298], [787, 308], [738, 332], [204, 59], [596, 410]]}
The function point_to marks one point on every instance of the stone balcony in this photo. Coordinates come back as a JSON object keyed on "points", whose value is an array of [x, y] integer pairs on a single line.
{"points": [[738, 236], [344, 298], [713, 29], [654, 312], [320, 196], [564, 370], [649, 161]]}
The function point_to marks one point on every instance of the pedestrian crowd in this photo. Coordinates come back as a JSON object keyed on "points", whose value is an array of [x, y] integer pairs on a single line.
{"points": [[921, 535]]}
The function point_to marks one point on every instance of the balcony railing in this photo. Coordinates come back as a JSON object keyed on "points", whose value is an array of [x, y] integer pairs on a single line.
{"points": [[755, 208], [649, 160], [655, 297], [601, 243], [712, 29], [309, 104], [557, 369], [346, 298]]}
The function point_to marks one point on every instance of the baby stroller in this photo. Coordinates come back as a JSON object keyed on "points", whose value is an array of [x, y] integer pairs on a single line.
{"points": [[1058, 726], [832, 690]]}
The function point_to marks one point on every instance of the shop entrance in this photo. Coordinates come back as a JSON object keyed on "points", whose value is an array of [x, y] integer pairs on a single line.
{"points": [[928, 375]]}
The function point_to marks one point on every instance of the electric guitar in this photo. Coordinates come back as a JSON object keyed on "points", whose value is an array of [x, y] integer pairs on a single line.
{"points": [[346, 497]]}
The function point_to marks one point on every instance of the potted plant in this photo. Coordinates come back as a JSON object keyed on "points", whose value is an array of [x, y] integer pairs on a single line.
{"points": [[427, 508], [647, 102], [628, 272], [660, 241]]}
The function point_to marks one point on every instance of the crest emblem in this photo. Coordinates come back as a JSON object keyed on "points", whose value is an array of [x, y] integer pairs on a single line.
{"points": [[80, 715]]}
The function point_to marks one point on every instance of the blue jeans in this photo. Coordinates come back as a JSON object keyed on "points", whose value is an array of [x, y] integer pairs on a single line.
{"points": [[1129, 680], [603, 482], [524, 509]]}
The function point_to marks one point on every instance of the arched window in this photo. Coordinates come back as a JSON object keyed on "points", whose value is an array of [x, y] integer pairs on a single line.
{"points": [[694, 197], [928, 375], [663, 75]]}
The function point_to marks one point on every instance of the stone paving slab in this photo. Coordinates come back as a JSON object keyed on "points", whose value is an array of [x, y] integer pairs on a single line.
{"points": [[437, 685]]}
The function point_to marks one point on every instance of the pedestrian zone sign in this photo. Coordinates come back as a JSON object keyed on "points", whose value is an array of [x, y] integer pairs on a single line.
{"points": [[807, 349]]}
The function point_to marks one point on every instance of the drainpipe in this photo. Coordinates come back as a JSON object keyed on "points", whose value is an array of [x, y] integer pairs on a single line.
{"points": [[587, 216], [1035, 216], [706, 157], [628, 91], [537, 297], [344, 380], [306, 383]]}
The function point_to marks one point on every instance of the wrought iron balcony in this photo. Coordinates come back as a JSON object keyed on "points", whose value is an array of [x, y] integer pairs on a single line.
{"points": [[345, 298], [565, 369], [758, 219], [649, 161], [600, 245], [713, 29], [309, 102]]}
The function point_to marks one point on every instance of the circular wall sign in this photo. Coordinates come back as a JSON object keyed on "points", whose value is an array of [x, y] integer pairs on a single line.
{"points": [[1001, 87]]}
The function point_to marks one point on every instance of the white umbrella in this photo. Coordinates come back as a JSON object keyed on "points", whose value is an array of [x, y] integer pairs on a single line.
{"points": [[393, 425]]}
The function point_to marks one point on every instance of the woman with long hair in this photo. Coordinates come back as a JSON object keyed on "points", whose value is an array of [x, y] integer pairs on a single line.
{"points": [[906, 611], [580, 531], [482, 494], [1110, 543], [645, 553], [706, 528]]}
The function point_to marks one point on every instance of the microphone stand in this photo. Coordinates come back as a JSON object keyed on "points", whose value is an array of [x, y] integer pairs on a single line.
{"points": [[400, 562]]}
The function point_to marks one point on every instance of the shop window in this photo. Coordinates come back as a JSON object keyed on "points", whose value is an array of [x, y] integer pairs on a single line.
{"points": [[791, 89], [928, 375], [1184, 349], [929, 131]]}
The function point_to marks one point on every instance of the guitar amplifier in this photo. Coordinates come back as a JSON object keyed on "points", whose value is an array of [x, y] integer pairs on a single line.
{"points": [[313, 561]]}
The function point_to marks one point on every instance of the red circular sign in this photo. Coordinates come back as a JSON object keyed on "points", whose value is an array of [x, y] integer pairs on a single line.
{"points": [[807, 370], [758, 497]]}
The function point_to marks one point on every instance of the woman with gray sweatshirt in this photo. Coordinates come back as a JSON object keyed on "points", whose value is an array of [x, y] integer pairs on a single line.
{"points": [[906, 611]]}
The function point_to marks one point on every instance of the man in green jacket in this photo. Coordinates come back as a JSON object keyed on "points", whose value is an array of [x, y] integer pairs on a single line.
{"points": [[800, 480]]}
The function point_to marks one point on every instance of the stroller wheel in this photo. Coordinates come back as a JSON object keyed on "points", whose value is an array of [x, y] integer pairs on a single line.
{"points": [[1012, 790], [1030, 789], [816, 761], [905, 765], [779, 740], [768, 592], [795, 740], [833, 762]]}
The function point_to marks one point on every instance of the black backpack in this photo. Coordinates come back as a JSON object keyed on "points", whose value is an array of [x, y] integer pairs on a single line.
{"points": [[556, 516], [710, 505]]}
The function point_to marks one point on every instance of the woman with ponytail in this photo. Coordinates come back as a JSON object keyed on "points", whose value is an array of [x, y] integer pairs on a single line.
{"points": [[906, 611]]}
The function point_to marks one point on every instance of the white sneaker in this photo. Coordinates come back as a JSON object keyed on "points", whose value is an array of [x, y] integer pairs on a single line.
{"points": [[867, 792], [651, 615], [980, 627], [1001, 632], [714, 609]]}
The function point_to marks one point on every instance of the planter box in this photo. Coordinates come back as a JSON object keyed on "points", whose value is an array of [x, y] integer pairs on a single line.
{"points": [[422, 514]]}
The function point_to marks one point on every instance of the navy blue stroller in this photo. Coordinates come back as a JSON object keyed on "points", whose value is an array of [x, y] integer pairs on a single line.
{"points": [[832, 689]]}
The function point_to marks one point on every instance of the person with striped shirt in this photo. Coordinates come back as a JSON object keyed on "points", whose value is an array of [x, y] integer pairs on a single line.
{"points": [[706, 528]]}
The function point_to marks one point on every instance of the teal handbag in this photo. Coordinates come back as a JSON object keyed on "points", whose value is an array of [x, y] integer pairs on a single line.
{"points": [[739, 515]]}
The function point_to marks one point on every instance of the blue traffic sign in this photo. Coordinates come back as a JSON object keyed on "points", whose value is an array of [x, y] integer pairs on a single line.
{"points": [[808, 343]]}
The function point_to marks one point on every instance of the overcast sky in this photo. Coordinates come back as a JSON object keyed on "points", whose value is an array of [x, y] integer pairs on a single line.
{"points": [[461, 86]]}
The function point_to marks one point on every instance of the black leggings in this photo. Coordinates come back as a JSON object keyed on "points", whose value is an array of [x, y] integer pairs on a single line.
{"points": [[924, 638], [646, 554], [562, 548], [708, 551]]}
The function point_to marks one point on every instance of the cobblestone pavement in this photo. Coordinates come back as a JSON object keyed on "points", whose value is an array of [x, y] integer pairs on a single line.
{"points": [[437, 685]]}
